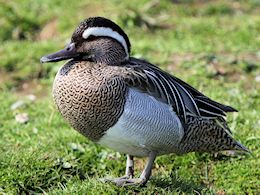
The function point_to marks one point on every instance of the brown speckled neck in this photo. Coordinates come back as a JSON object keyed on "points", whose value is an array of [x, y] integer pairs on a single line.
{"points": [[90, 96]]}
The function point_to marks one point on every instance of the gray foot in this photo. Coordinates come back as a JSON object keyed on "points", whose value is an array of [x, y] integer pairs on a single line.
{"points": [[126, 181], [113, 180]]}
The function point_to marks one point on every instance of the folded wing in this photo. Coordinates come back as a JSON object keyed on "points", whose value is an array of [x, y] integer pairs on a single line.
{"points": [[184, 99]]}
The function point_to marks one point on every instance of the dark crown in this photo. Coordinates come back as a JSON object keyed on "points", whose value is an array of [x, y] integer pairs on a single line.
{"points": [[99, 22]]}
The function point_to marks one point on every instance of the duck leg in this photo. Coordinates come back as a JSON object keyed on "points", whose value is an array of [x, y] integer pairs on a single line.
{"points": [[126, 181], [129, 171]]}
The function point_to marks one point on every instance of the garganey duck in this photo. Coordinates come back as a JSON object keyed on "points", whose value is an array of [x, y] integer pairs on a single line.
{"points": [[131, 105]]}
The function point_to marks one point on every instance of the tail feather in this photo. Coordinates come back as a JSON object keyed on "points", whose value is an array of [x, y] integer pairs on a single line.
{"points": [[241, 147], [208, 135]]}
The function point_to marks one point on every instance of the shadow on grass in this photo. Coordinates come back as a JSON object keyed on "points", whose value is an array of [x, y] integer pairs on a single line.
{"points": [[177, 184]]}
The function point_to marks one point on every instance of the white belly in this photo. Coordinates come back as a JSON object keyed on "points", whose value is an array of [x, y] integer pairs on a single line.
{"points": [[145, 125]]}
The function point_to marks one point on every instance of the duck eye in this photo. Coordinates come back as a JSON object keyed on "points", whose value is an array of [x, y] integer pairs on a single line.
{"points": [[70, 47]]}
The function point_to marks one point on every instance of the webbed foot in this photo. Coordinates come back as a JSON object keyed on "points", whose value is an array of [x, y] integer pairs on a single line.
{"points": [[126, 181]]}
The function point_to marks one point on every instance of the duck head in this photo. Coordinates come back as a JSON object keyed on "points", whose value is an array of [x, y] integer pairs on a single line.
{"points": [[96, 39]]}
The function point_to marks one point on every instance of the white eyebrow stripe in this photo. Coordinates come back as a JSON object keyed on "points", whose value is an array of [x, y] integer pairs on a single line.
{"points": [[108, 32]]}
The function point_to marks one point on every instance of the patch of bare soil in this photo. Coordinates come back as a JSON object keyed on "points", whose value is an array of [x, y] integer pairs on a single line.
{"points": [[3, 77], [93, 9], [229, 57], [31, 87], [23, 88], [49, 31], [230, 66]]}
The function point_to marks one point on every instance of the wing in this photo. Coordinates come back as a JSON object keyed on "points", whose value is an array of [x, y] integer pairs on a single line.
{"points": [[184, 99]]}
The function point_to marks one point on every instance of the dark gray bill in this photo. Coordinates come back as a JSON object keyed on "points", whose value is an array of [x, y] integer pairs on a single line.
{"points": [[67, 53]]}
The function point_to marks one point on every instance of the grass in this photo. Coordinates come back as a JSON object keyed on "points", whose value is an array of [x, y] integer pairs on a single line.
{"points": [[212, 45]]}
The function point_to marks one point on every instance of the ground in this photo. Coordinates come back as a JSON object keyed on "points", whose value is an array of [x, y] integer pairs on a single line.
{"points": [[212, 45]]}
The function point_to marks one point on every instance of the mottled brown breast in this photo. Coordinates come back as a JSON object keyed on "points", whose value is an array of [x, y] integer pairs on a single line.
{"points": [[90, 96]]}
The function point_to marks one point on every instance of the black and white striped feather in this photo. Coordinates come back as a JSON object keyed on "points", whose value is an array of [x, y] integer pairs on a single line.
{"points": [[184, 99]]}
